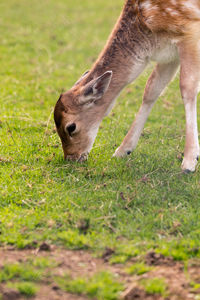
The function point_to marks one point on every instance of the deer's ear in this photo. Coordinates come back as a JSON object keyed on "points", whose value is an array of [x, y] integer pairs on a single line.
{"points": [[81, 78], [96, 88]]}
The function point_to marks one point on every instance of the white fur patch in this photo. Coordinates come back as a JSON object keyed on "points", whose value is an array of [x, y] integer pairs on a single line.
{"points": [[92, 135], [165, 53], [174, 13], [173, 2], [192, 6], [147, 5]]}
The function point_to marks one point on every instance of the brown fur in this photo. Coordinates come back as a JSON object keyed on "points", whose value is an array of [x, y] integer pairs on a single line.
{"points": [[171, 17]]}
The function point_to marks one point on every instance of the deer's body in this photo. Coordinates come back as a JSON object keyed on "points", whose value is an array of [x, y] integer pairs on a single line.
{"points": [[167, 32]]}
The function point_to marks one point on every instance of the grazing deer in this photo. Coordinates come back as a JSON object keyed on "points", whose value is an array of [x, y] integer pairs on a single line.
{"points": [[165, 31]]}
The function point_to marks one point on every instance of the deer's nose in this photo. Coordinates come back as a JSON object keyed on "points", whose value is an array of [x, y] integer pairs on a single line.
{"points": [[72, 157], [83, 157]]}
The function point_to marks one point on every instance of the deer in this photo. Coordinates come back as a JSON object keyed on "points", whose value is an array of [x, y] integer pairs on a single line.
{"points": [[164, 31]]}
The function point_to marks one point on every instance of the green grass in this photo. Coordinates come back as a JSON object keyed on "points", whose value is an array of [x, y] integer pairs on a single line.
{"points": [[26, 288], [25, 276], [141, 202], [22, 277], [42, 263], [195, 286], [155, 286], [124, 252], [101, 286], [20, 271], [138, 269]]}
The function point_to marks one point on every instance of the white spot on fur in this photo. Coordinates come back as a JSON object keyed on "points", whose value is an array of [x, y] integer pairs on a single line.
{"points": [[173, 2], [174, 13], [169, 9], [192, 6], [146, 5]]}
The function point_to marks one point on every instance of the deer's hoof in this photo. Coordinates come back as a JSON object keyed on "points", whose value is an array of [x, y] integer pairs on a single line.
{"points": [[188, 166], [121, 153]]}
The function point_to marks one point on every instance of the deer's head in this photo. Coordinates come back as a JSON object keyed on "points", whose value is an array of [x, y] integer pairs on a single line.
{"points": [[78, 114]]}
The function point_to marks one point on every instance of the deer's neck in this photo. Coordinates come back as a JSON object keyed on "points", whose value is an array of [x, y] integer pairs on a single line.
{"points": [[125, 53]]}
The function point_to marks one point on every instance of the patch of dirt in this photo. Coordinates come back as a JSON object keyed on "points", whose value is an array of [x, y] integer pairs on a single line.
{"points": [[83, 264], [45, 292], [45, 247], [178, 285], [9, 294], [107, 254], [55, 294], [194, 270], [157, 259]]}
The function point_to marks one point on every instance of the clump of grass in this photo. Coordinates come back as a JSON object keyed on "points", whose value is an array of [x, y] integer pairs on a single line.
{"points": [[73, 240], [23, 275], [138, 269], [155, 286], [10, 271], [119, 259], [102, 286], [181, 251], [124, 253], [195, 285], [26, 288], [30, 274], [43, 263], [21, 271]]}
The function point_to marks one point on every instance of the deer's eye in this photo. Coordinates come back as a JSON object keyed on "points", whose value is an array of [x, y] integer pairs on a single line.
{"points": [[71, 128]]}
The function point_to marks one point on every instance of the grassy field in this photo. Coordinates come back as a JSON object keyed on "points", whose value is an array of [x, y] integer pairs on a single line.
{"points": [[121, 209]]}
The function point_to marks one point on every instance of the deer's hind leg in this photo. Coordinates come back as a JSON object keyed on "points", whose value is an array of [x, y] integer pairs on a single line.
{"points": [[159, 79], [189, 85]]}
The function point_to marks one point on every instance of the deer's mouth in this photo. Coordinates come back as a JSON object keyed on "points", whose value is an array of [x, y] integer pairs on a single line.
{"points": [[79, 158], [83, 157]]}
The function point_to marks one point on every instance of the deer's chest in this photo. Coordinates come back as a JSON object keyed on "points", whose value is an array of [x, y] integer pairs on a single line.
{"points": [[165, 52]]}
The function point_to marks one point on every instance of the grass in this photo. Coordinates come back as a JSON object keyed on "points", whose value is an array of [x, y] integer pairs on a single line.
{"points": [[155, 286], [27, 289], [24, 277], [20, 271], [138, 203], [101, 286], [195, 286], [139, 268]]}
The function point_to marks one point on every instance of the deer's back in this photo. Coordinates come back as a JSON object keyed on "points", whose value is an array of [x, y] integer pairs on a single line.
{"points": [[178, 17]]}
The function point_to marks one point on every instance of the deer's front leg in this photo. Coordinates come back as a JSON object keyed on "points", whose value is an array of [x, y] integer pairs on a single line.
{"points": [[189, 85], [160, 77]]}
